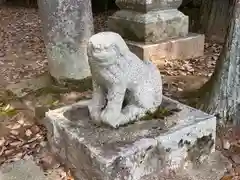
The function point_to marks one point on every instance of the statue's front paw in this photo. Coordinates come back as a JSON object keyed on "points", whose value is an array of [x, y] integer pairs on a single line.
{"points": [[95, 115], [113, 119], [105, 116], [109, 118]]}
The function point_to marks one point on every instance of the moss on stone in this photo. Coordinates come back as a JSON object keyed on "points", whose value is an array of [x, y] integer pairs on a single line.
{"points": [[159, 113], [72, 84]]}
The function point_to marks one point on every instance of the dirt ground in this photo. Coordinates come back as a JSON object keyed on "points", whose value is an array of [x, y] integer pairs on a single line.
{"points": [[22, 56]]}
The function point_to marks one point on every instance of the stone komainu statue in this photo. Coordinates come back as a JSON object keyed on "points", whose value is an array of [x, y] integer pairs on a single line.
{"points": [[124, 87]]}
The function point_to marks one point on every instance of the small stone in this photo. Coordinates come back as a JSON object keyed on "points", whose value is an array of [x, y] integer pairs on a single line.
{"points": [[35, 129], [28, 133], [226, 144]]}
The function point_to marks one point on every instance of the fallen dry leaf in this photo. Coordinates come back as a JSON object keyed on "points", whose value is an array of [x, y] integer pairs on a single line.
{"points": [[15, 143], [2, 141], [14, 126], [14, 132], [8, 152], [227, 178]]}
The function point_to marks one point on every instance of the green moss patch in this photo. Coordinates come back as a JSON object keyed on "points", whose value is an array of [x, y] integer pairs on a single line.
{"points": [[160, 113]]}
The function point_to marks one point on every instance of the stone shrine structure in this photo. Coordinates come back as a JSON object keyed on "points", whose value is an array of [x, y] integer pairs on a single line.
{"points": [[155, 29]]}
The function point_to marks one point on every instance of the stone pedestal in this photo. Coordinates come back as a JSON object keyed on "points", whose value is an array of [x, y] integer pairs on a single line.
{"points": [[177, 48], [141, 151], [67, 26], [155, 24]]}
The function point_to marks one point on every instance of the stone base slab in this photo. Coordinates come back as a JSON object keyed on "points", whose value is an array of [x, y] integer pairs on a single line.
{"points": [[179, 48], [138, 151]]}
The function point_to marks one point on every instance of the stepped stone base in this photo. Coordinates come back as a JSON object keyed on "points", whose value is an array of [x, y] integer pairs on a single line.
{"points": [[179, 48], [144, 150], [151, 27]]}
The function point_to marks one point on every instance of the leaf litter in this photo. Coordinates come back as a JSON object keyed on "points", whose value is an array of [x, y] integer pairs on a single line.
{"points": [[23, 56]]}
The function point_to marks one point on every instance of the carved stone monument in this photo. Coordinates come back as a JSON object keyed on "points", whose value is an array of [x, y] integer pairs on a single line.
{"points": [[171, 139], [119, 75], [156, 29]]}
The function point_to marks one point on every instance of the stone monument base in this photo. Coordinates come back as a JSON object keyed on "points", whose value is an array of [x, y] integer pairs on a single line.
{"points": [[138, 151], [179, 48]]}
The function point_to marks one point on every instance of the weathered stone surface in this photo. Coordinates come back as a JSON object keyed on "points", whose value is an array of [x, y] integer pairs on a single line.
{"points": [[213, 168], [179, 48], [120, 76], [67, 26], [22, 170], [151, 27], [135, 152], [146, 5]]}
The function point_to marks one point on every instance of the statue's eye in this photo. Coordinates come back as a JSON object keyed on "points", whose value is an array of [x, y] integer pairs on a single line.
{"points": [[97, 50]]}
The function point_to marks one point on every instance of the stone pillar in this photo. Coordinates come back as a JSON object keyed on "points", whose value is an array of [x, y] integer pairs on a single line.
{"points": [[67, 26], [155, 29]]}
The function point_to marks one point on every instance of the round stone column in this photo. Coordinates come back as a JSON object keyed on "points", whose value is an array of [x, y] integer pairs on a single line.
{"points": [[67, 26]]}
